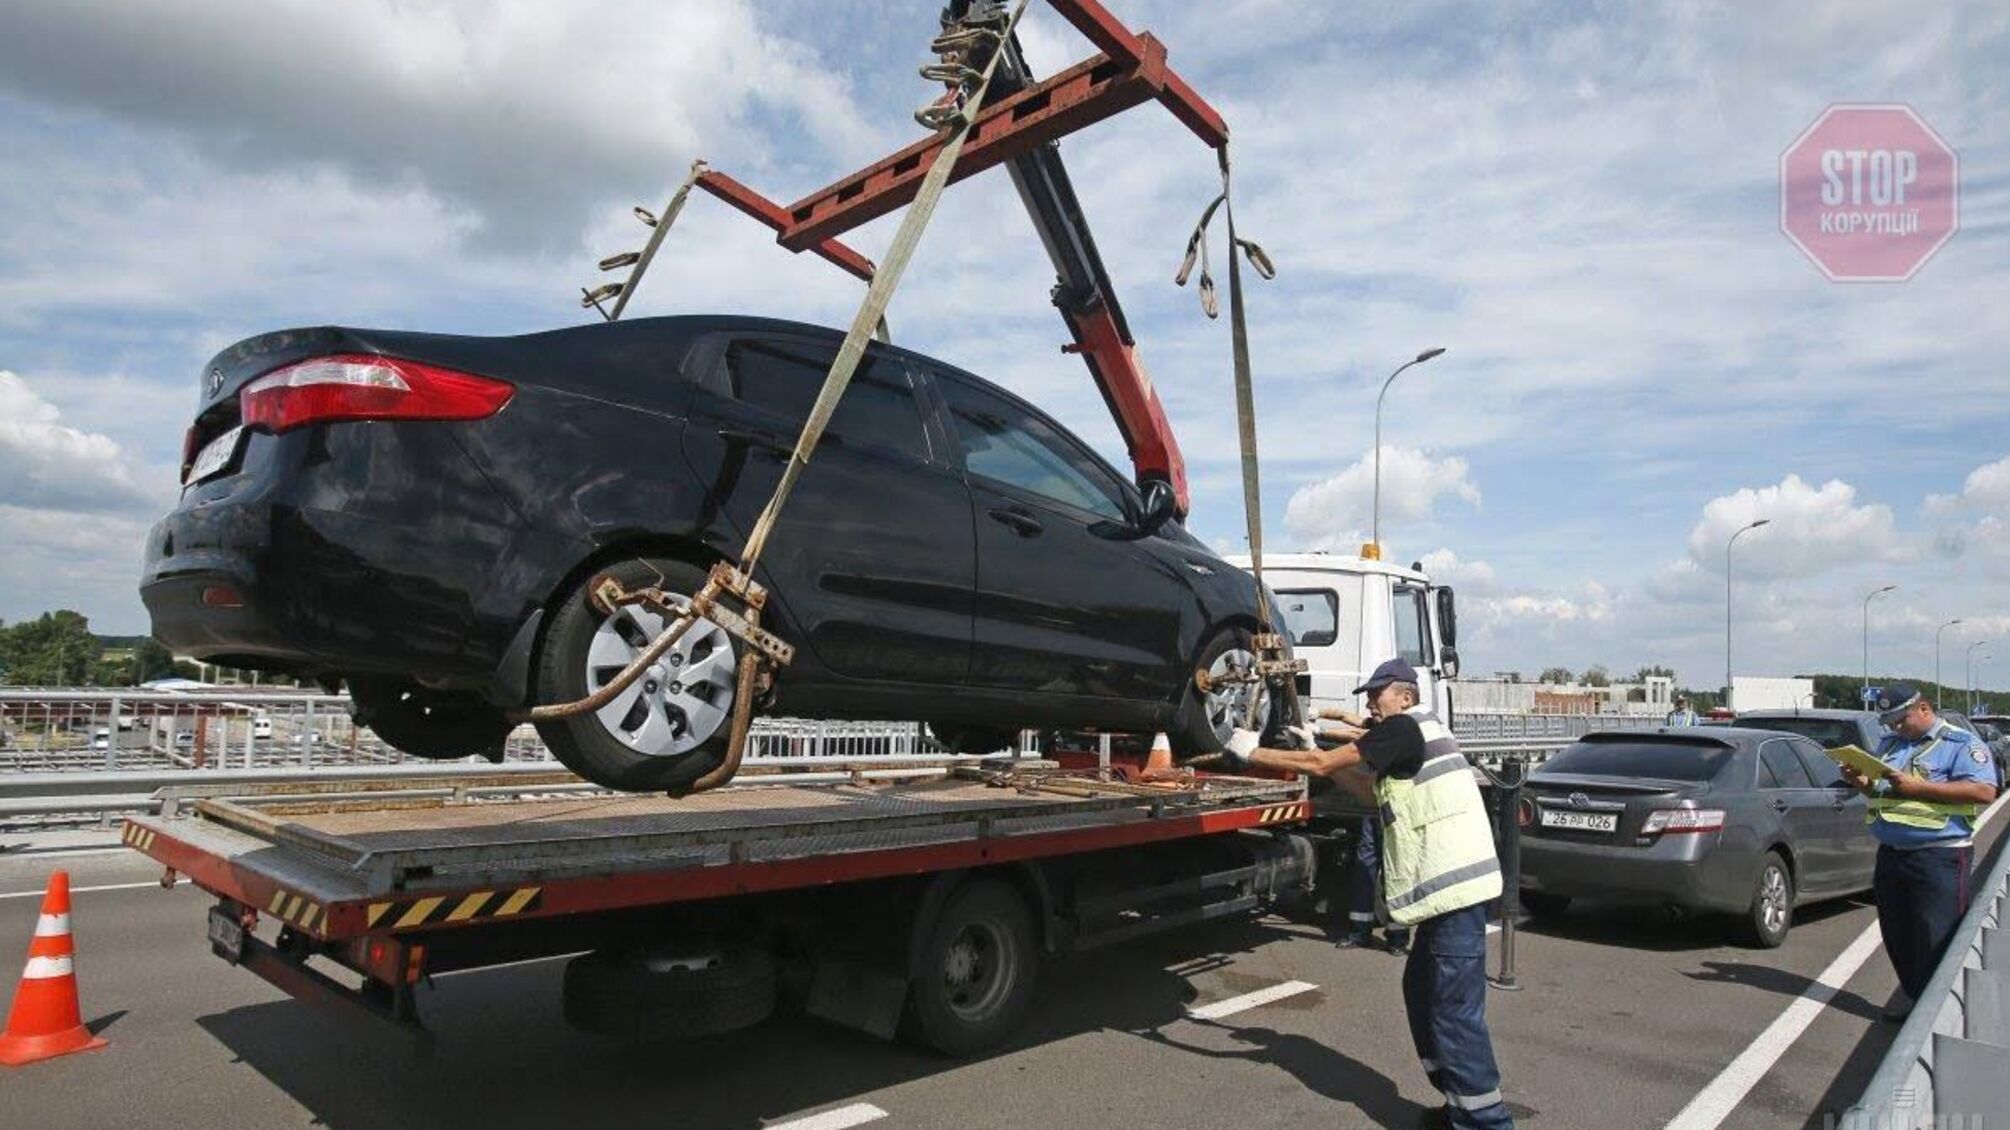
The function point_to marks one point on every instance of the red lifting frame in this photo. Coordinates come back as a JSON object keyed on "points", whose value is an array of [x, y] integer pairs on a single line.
{"points": [[1130, 70]]}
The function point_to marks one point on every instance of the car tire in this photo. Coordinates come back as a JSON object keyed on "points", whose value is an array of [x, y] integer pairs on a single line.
{"points": [[1771, 914], [611, 746], [632, 996], [1198, 726], [1543, 904], [437, 725], [977, 971]]}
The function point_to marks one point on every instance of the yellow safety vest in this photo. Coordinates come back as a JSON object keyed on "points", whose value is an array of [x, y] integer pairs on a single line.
{"points": [[1438, 846], [1930, 815]]}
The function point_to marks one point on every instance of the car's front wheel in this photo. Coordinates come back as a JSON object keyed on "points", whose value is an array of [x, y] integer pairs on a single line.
{"points": [[1207, 718], [666, 729]]}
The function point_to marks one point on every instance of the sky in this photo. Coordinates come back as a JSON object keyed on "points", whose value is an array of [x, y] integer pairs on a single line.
{"points": [[1580, 203]]}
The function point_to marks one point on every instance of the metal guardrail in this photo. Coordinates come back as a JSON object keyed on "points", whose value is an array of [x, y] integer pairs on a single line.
{"points": [[1471, 726], [1949, 1066]]}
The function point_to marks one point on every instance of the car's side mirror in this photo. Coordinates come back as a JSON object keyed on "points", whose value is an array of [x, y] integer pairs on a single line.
{"points": [[1448, 619], [1160, 504], [1448, 662]]}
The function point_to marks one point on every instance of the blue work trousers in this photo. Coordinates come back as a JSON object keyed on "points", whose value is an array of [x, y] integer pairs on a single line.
{"points": [[1445, 993], [1921, 895], [1364, 879]]}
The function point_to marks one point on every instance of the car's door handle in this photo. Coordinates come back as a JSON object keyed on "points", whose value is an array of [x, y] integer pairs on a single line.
{"points": [[766, 440], [1779, 805], [1020, 522]]}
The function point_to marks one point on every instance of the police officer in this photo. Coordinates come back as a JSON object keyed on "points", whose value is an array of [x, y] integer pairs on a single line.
{"points": [[1922, 812], [1682, 715], [1439, 871]]}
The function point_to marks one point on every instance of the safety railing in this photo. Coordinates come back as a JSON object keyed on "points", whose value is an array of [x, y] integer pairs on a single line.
{"points": [[1476, 726], [1949, 1066]]}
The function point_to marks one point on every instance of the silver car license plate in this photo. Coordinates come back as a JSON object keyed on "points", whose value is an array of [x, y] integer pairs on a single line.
{"points": [[226, 934], [215, 455], [1581, 821]]}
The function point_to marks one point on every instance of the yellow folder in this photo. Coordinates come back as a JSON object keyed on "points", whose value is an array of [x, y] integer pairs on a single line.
{"points": [[1859, 759]]}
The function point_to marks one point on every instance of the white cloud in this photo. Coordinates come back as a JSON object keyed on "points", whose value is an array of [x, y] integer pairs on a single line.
{"points": [[1976, 521], [1810, 530], [1331, 514], [1473, 578], [47, 465]]}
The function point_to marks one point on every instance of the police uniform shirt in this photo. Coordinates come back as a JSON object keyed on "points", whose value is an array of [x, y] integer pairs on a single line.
{"points": [[1960, 756]]}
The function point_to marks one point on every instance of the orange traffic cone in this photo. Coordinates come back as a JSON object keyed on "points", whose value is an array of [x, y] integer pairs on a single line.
{"points": [[46, 1022], [1160, 758]]}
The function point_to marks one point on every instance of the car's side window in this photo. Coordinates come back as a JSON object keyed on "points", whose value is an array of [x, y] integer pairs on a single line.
{"points": [[1787, 770], [1413, 643], [1820, 766], [878, 408], [1004, 442]]}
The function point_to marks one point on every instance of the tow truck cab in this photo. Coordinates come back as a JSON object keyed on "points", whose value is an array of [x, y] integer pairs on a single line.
{"points": [[1347, 614]]}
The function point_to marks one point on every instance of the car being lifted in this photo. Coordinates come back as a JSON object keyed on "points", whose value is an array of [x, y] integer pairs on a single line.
{"points": [[425, 517]]}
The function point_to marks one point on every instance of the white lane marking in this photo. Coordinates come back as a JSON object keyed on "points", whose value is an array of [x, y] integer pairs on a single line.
{"points": [[857, 1114], [1714, 1103], [1247, 1001], [155, 883]]}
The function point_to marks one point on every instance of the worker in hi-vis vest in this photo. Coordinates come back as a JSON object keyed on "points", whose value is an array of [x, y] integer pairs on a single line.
{"points": [[1439, 871], [1922, 814]]}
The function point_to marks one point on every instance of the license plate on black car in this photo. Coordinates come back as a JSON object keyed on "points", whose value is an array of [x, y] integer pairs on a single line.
{"points": [[1581, 821], [215, 456]]}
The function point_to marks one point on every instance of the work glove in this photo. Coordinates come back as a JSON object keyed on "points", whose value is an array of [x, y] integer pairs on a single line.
{"points": [[1239, 746], [1302, 737]]}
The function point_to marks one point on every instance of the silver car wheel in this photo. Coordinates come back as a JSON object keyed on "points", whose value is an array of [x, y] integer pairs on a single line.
{"points": [[684, 698], [1773, 899], [1228, 703]]}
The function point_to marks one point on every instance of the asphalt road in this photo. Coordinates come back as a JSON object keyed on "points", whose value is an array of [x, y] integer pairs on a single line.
{"points": [[1621, 1020]]}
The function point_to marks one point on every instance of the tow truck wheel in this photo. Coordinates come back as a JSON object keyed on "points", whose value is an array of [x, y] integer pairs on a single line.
{"points": [[439, 725], [976, 971], [668, 728], [1206, 719]]}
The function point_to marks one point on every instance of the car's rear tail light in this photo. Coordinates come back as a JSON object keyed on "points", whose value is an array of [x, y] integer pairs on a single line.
{"points": [[361, 386], [1678, 821]]}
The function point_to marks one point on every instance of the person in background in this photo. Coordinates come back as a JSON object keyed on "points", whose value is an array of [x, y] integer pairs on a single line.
{"points": [[1682, 715]]}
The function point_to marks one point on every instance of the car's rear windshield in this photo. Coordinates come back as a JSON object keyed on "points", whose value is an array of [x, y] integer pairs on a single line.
{"points": [[1829, 732], [1668, 761]]}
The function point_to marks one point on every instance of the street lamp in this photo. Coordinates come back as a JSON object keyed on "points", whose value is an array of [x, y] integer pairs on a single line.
{"points": [[1727, 602], [1373, 550], [1939, 688], [1974, 703], [1866, 638], [1969, 682]]}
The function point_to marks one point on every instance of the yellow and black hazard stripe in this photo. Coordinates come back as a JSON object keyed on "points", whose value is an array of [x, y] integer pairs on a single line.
{"points": [[138, 837], [299, 910], [1281, 813], [445, 910]]}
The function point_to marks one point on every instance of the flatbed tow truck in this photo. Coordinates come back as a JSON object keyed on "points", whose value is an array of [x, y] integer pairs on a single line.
{"points": [[913, 901]]}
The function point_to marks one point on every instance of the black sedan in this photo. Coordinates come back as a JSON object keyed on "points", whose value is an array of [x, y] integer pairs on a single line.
{"points": [[1723, 820], [422, 516]]}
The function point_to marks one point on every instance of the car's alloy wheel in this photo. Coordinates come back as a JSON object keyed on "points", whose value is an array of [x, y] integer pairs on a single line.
{"points": [[1227, 703], [682, 701], [1772, 911]]}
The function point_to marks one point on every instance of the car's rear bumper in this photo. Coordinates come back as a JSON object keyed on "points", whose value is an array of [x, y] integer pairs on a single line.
{"points": [[337, 567], [1689, 871]]}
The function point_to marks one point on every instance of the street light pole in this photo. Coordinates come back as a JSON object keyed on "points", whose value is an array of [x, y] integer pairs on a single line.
{"points": [[1727, 602], [1373, 550], [1865, 696], [1975, 703], [1939, 688], [1969, 682]]}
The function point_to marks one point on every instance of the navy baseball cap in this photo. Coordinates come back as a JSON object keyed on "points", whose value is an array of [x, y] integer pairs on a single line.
{"points": [[1394, 671], [1893, 701]]}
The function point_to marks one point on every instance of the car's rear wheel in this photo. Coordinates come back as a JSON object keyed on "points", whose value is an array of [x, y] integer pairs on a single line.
{"points": [[439, 725], [1771, 914], [668, 728], [1206, 718]]}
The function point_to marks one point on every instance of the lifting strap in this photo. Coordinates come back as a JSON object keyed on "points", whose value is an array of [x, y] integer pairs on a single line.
{"points": [[1269, 651], [884, 279]]}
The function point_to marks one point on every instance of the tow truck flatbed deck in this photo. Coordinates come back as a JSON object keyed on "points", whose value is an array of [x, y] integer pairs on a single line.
{"points": [[424, 859]]}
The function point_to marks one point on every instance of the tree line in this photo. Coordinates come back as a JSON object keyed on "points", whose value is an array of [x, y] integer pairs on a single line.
{"points": [[58, 649]]}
